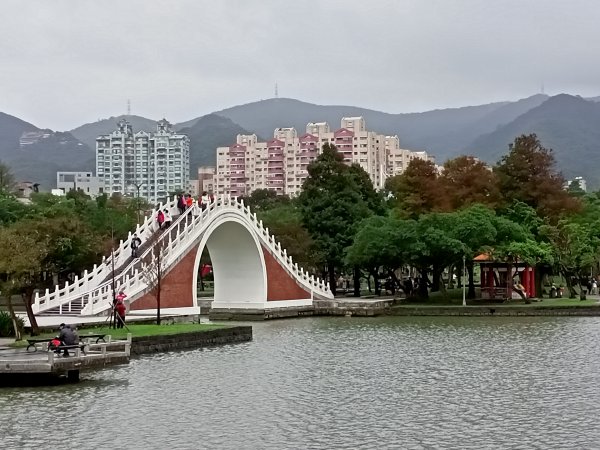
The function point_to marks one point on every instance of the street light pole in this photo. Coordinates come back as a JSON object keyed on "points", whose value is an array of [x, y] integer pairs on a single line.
{"points": [[137, 187], [464, 280]]}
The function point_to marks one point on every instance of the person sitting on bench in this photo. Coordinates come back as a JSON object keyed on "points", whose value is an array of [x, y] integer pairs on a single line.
{"points": [[67, 337]]}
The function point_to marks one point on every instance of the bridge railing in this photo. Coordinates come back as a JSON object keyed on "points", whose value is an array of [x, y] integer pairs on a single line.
{"points": [[92, 279], [309, 280], [132, 278], [133, 281], [98, 298]]}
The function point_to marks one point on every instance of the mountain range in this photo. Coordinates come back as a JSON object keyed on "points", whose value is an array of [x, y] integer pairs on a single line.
{"points": [[568, 124]]}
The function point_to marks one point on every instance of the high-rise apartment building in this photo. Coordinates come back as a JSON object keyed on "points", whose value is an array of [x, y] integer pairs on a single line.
{"points": [[151, 165], [281, 163]]}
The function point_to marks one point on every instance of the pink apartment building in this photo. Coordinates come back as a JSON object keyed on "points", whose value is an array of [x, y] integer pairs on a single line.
{"points": [[281, 163]]}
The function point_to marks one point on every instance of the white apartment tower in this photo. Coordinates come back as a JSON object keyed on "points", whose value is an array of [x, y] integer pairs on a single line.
{"points": [[151, 165], [281, 163]]}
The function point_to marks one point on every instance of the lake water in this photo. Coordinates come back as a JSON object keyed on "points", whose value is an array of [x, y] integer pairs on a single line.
{"points": [[336, 383]]}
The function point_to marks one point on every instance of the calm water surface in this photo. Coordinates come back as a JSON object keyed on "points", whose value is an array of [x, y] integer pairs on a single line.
{"points": [[336, 383]]}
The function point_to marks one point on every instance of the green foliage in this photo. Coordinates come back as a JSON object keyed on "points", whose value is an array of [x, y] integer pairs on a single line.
{"points": [[285, 222], [264, 199], [7, 180], [332, 203], [6, 324], [574, 246]]}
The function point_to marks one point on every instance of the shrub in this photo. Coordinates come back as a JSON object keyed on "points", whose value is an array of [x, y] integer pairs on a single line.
{"points": [[6, 325]]}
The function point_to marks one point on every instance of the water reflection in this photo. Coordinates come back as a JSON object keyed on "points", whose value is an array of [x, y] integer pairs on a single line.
{"points": [[446, 382]]}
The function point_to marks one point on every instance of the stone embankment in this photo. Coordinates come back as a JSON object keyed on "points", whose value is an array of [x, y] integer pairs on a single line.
{"points": [[186, 341], [393, 307]]}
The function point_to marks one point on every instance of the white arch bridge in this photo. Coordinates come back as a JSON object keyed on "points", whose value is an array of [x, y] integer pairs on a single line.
{"points": [[251, 270]]}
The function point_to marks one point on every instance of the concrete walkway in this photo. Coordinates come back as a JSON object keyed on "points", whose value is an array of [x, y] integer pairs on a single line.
{"points": [[5, 342]]}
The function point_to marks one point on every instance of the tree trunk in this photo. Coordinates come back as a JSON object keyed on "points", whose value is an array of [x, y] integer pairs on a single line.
{"points": [[13, 317], [356, 282], [569, 283], [436, 274], [376, 282], [470, 271], [28, 300], [332, 283], [158, 295], [423, 291]]}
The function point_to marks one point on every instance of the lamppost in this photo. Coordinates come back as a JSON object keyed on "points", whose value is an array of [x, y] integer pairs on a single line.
{"points": [[137, 187], [464, 280]]}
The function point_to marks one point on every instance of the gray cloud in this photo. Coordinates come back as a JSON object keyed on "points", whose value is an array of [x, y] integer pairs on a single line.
{"points": [[67, 62]]}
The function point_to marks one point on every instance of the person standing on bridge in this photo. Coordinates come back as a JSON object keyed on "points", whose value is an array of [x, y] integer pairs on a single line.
{"points": [[135, 243], [204, 199], [181, 204], [168, 218], [160, 218]]}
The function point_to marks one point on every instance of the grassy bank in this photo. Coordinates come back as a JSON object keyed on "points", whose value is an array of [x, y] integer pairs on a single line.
{"points": [[453, 297], [136, 330]]}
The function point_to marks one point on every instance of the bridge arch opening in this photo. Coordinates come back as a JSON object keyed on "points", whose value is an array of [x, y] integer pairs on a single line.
{"points": [[238, 265]]}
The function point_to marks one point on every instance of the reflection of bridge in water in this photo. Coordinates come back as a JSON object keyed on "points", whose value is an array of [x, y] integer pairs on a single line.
{"points": [[251, 270]]}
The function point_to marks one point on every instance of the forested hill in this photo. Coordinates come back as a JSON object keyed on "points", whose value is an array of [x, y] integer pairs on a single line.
{"points": [[569, 125], [206, 134]]}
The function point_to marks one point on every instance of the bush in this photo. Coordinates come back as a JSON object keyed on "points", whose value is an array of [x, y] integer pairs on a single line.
{"points": [[6, 325]]}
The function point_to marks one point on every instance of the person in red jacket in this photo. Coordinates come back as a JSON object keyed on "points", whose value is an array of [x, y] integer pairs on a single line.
{"points": [[121, 309]]}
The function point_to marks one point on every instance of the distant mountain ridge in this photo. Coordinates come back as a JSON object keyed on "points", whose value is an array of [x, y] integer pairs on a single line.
{"points": [[568, 124]]}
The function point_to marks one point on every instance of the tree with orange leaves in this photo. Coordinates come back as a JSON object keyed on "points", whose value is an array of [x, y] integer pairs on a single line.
{"points": [[466, 181], [418, 190], [527, 174]]}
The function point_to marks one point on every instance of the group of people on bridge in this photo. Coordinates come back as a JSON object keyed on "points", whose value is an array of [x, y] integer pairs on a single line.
{"points": [[187, 201]]}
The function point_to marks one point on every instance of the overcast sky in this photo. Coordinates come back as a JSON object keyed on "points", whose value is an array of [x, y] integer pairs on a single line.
{"points": [[64, 63]]}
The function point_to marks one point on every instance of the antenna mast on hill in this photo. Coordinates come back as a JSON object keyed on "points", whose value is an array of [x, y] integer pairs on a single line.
{"points": [[128, 107], [543, 89], [276, 91]]}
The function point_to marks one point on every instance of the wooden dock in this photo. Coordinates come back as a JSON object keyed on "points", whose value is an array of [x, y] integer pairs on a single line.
{"points": [[17, 363]]}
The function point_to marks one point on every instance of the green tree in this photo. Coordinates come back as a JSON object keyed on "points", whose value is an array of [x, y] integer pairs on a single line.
{"points": [[574, 248], [285, 222], [21, 263], [332, 204], [7, 180], [377, 246], [265, 199]]}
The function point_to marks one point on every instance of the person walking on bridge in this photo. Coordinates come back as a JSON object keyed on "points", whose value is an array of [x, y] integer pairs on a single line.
{"points": [[135, 243], [160, 218], [168, 218]]}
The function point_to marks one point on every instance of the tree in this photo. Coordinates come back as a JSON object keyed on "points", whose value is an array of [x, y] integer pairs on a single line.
{"points": [[265, 199], [7, 180], [154, 268], [574, 248], [332, 204], [285, 222], [21, 263], [377, 244], [417, 190], [527, 174], [467, 181]]}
